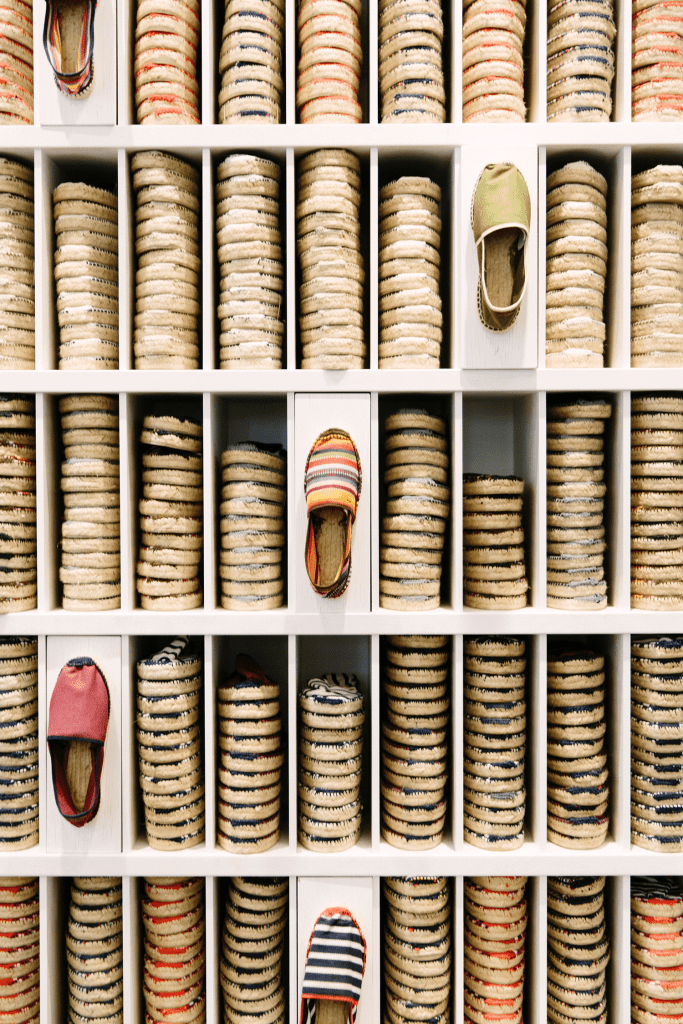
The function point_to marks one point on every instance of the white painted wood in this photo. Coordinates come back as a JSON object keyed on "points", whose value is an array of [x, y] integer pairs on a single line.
{"points": [[377, 951], [537, 571], [371, 757], [536, 749], [292, 753], [128, 505], [130, 787], [208, 315], [314, 895], [457, 743], [453, 13], [618, 510], [621, 92], [540, 255], [54, 910], [126, 211], [211, 682], [456, 502], [288, 196], [214, 908], [372, 269], [620, 973], [536, 48], [451, 355], [375, 501], [207, 73], [42, 747], [312, 415], [51, 499], [536, 949], [211, 466], [99, 106], [620, 740], [47, 337], [481, 347], [131, 946], [102, 835], [618, 350], [458, 947]]}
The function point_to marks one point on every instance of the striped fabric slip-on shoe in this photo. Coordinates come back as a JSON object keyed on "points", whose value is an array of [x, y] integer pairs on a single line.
{"points": [[332, 485], [69, 42], [335, 965]]}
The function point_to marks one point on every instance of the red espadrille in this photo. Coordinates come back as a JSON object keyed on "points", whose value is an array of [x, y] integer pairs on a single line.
{"points": [[76, 731]]}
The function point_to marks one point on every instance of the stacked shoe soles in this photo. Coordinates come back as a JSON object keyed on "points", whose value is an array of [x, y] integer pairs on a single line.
{"points": [[417, 510], [330, 261], [495, 742], [656, 950], [495, 931], [330, 759], [417, 949], [330, 59], [86, 276], [415, 741], [17, 288], [494, 569], [171, 513], [20, 949], [578, 776], [16, 64], [250, 62], [575, 502], [18, 743], [580, 60], [90, 572], [250, 261], [169, 737], [578, 949], [411, 80], [94, 950], [493, 62], [167, 246], [410, 317], [657, 743], [251, 757], [167, 37], [656, 513], [657, 266], [576, 267], [656, 89], [18, 559], [252, 946], [173, 917], [253, 524]]}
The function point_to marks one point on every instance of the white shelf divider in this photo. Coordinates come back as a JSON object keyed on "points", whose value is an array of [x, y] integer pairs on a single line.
{"points": [[208, 317], [371, 757], [127, 262], [457, 743]]}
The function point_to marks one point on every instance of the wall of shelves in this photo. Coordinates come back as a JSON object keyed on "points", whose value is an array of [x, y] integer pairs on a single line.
{"points": [[496, 422]]}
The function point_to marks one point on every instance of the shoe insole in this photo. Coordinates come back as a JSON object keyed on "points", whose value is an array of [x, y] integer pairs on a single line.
{"points": [[329, 1011], [71, 14], [504, 267], [78, 769], [330, 534]]}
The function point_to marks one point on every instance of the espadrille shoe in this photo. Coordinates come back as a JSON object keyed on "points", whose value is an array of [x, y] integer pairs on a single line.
{"points": [[331, 985], [332, 484], [69, 42], [500, 216], [76, 732]]}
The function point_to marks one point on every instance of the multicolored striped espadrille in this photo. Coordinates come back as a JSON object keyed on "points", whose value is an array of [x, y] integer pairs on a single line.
{"points": [[335, 965], [332, 485]]}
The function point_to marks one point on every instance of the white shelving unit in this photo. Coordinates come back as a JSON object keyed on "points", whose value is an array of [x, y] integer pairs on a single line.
{"points": [[496, 418]]}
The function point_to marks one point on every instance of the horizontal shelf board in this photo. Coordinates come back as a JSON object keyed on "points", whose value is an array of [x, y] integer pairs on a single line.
{"points": [[529, 860], [281, 382], [282, 622], [358, 136]]}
